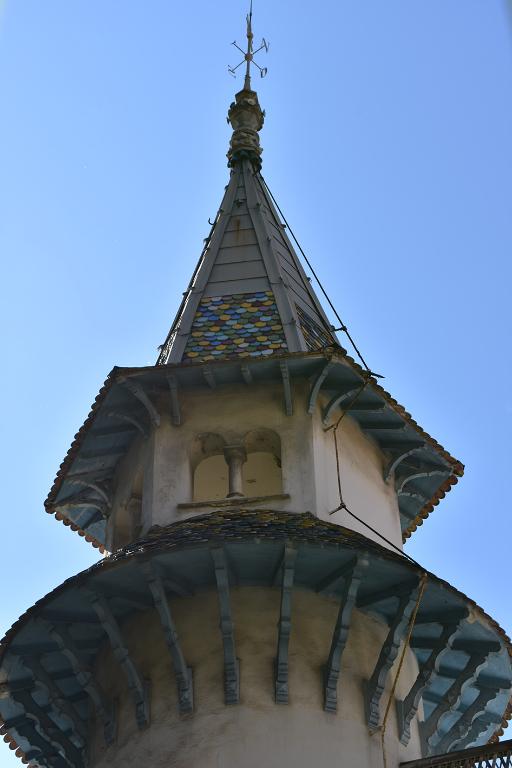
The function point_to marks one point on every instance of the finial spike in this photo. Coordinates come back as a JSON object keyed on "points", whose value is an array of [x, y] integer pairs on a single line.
{"points": [[249, 54]]}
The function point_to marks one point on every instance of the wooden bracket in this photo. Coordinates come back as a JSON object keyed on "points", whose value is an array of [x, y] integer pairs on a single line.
{"points": [[352, 581]]}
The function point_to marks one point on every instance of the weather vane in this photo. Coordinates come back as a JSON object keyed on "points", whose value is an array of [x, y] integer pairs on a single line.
{"points": [[249, 54]]}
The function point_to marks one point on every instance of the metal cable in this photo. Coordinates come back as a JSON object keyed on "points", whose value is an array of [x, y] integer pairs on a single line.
{"points": [[342, 505], [382, 727], [342, 327]]}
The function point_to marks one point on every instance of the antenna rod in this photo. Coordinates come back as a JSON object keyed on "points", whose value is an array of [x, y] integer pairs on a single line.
{"points": [[248, 55]]}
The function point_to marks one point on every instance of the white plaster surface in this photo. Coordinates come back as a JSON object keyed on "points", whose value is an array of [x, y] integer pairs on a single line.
{"points": [[257, 732], [309, 476]]}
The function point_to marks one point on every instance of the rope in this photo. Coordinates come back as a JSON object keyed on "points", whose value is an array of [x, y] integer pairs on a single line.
{"points": [[342, 327], [382, 727]]}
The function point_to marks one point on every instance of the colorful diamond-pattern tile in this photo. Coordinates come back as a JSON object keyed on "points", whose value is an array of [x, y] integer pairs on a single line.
{"points": [[315, 336], [239, 325]]}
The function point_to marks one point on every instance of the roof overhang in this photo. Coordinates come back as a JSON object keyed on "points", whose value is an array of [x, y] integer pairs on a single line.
{"points": [[52, 639], [127, 406]]}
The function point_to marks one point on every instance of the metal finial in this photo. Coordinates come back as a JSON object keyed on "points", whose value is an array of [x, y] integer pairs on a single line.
{"points": [[249, 54]]}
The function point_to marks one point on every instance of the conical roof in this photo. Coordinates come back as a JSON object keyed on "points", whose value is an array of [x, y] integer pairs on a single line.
{"points": [[249, 296]]}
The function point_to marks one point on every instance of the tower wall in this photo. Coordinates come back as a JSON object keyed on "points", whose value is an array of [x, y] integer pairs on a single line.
{"points": [[155, 482], [257, 732]]}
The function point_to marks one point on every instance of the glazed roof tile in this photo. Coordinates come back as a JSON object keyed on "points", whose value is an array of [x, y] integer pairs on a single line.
{"points": [[249, 295]]}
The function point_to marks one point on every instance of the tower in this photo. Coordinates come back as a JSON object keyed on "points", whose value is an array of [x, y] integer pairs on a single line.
{"points": [[246, 616]]}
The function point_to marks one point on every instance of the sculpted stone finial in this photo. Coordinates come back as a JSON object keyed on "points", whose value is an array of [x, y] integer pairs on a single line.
{"points": [[245, 113], [246, 118]]}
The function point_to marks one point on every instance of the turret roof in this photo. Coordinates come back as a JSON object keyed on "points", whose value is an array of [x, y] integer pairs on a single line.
{"points": [[249, 295]]}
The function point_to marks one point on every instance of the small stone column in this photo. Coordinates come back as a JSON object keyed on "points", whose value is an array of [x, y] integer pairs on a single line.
{"points": [[235, 456]]}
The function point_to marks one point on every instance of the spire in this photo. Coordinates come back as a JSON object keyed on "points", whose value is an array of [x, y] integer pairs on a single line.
{"points": [[249, 295], [245, 114]]}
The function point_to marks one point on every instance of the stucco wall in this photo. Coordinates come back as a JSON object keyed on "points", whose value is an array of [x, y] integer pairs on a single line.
{"points": [[307, 456], [257, 732], [362, 483]]}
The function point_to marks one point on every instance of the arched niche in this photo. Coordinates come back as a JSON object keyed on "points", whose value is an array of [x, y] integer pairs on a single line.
{"points": [[261, 472], [211, 479], [209, 468], [257, 455]]}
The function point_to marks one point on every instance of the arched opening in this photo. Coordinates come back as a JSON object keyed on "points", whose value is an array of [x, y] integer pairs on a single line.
{"points": [[261, 472], [261, 475], [248, 466], [211, 479]]}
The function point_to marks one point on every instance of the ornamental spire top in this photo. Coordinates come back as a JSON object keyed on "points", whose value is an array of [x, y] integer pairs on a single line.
{"points": [[249, 54], [245, 113]]}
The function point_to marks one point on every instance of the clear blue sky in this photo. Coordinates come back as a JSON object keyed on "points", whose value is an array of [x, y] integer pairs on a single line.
{"points": [[388, 145]]}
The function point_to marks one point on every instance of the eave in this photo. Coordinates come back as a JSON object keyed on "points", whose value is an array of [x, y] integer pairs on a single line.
{"points": [[254, 543], [126, 406]]}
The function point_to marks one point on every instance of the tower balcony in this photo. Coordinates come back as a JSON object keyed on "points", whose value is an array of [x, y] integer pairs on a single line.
{"points": [[496, 755]]}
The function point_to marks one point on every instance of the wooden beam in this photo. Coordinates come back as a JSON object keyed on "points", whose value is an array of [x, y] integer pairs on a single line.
{"points": [[84, 678], [414, 495], [93, 486], [374, 688], [401, 454], [359, 406], [55, 616], [172, 383], [284, 625], [340, 399], [287, 389], [317, 384], [47, 754], [81, 501], [114, 431], [50, 729], [379, 426], [469, 726], [327, 582], [56, 697], [136, 389], [94, 474], [352, 581], [407, 709], [10, 686], [430, 729], [99, 453], [231, 663], [449, 615], [38, 649], [407, 477], [467, 646], [131, 422], [395, 590], [138, 687], [182, 672], [141, 601]]}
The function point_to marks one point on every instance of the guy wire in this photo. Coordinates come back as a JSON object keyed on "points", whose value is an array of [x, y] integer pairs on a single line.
{"points": [[382, 727], [342, 327]]}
